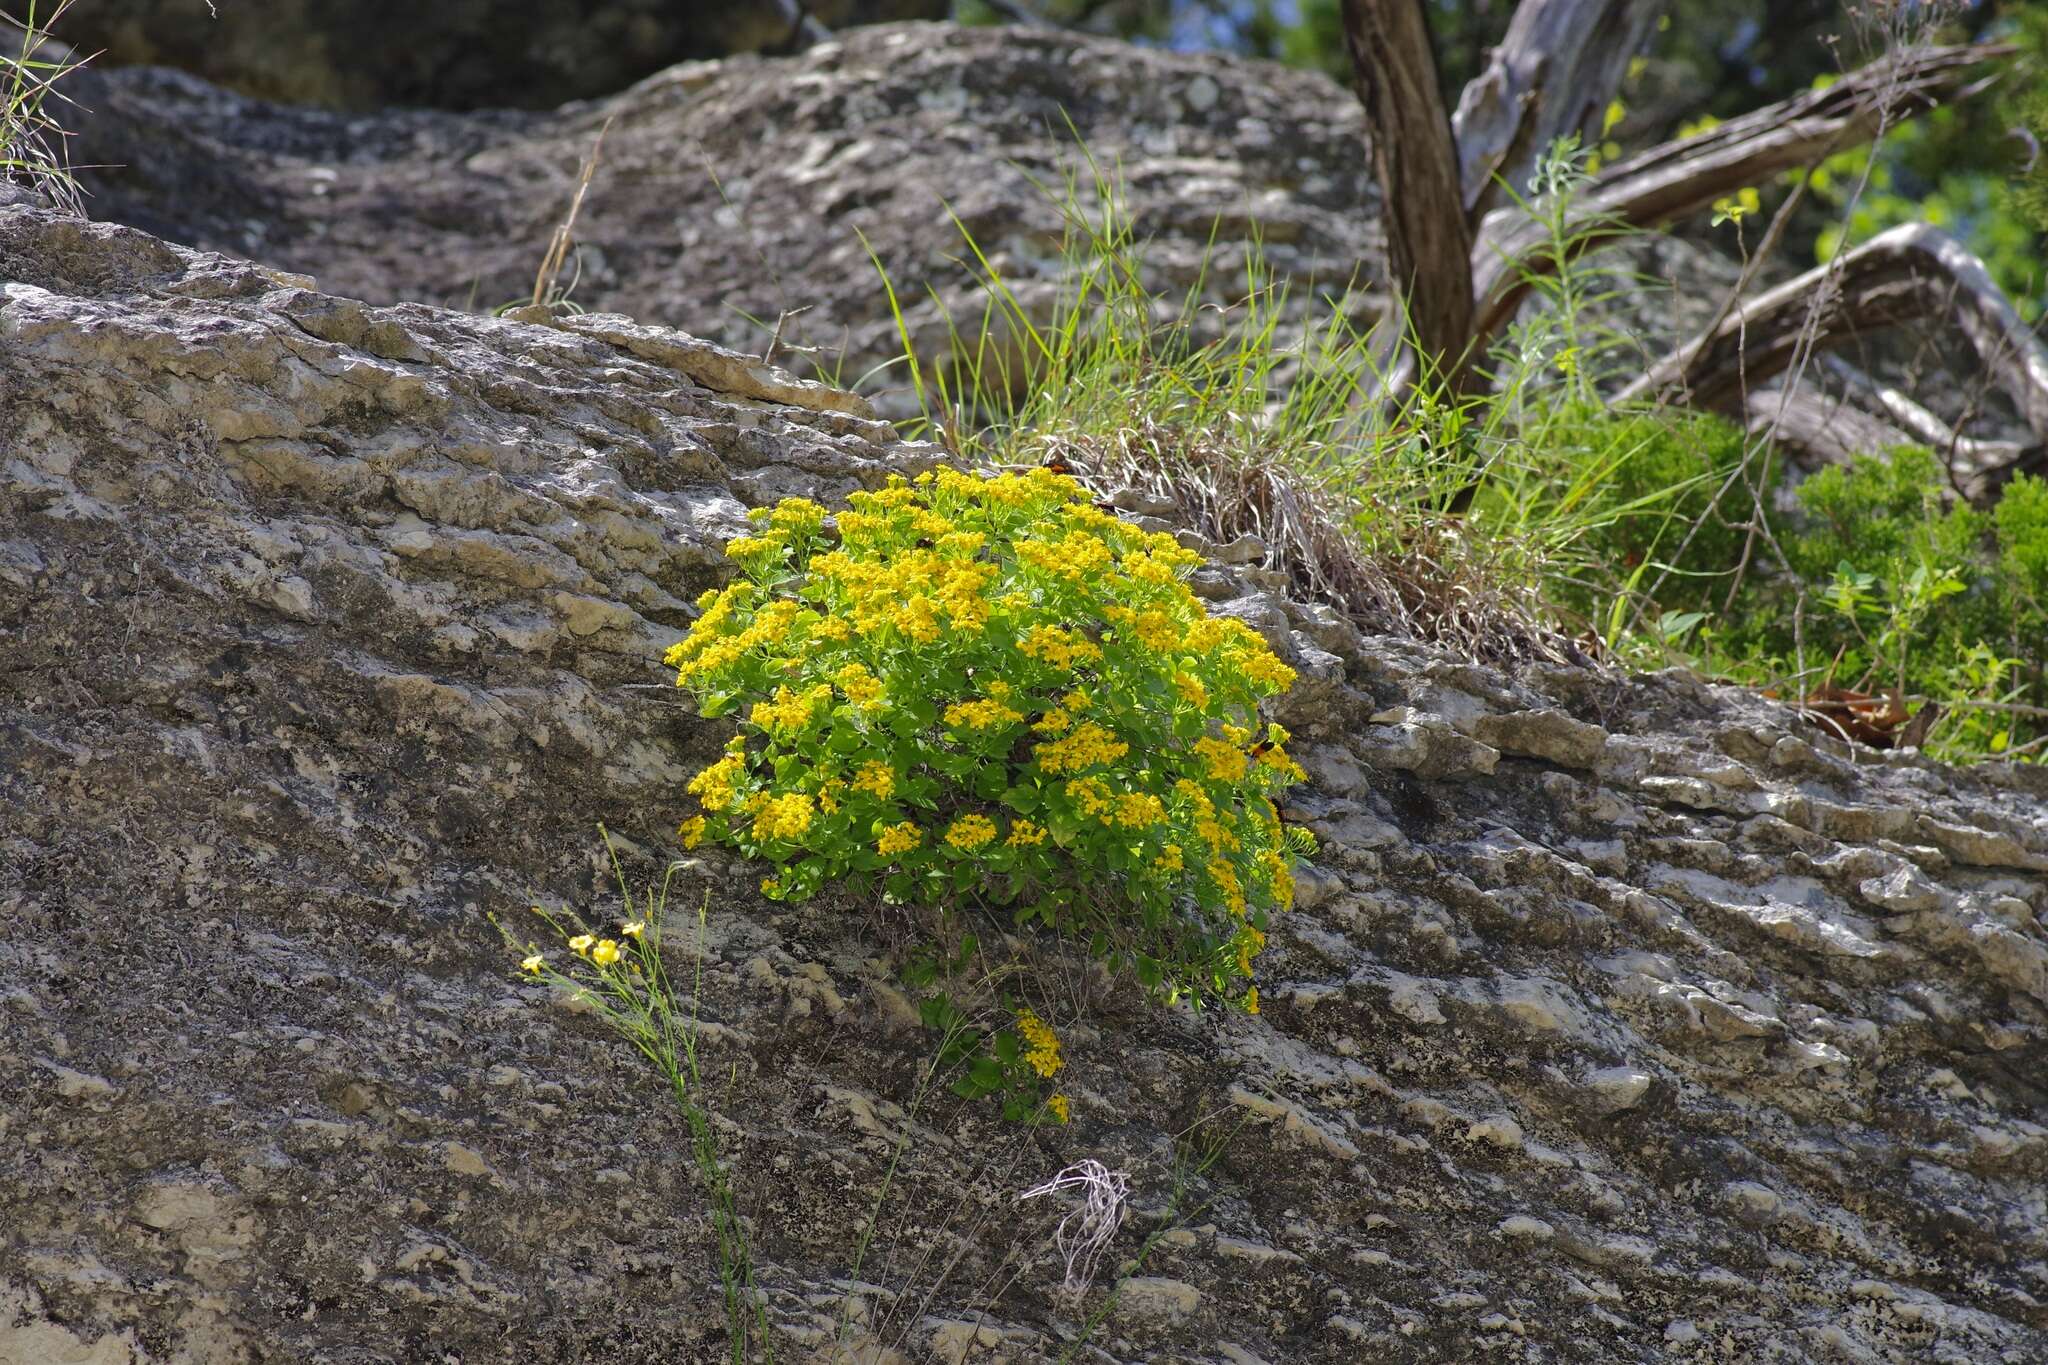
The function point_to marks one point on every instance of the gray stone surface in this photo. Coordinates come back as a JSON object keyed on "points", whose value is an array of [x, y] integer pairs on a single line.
{"points": [[326, 629], [732, 190], [448, 54]]}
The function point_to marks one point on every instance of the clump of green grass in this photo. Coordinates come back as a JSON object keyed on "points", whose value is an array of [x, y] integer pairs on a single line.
{"points": [[1236, 410], [32, 142]]}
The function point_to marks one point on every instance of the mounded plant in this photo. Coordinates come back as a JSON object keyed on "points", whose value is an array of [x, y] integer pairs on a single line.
{"points": [[984, 691]]}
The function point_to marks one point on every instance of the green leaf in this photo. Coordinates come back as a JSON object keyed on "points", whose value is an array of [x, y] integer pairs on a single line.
{"points": [[1023, 800]]}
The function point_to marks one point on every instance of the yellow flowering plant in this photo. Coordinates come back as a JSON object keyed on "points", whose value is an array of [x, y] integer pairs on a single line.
{"points": [[986, 690]]}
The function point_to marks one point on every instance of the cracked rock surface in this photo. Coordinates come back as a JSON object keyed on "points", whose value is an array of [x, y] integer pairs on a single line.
{"points": [[1621, 1019], [729, 191]]}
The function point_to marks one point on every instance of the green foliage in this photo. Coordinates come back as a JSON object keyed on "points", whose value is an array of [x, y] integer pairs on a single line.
{"points": [[987, 691], [1879, 581]]}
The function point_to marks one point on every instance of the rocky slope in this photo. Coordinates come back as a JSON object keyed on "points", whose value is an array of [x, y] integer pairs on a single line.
{"points": [[1622, 1019], [730, 191], [453, 54]]}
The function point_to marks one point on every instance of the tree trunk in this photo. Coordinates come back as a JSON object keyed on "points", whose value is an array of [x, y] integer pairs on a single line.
{"points": [[1558, 68], [1429, 246]]}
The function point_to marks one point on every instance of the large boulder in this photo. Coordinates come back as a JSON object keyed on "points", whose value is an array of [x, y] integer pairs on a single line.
{"points": [[1620, 1020], [730, 191], [450, 54]]}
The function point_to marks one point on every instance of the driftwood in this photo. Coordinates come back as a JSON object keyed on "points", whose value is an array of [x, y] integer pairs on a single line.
{"points": [[1552, 76], [1906, 275], [1429, 246], [1674, 180]]}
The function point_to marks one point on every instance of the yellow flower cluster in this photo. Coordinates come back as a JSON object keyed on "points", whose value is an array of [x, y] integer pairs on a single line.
{"points": [[1226, 762], [1139, 810], [715, 786], [604, 952], [1087, 746], [1225, 878], [1041, 1044], [711, 647], [1250, 943], [899, 838], [890, 653], [1060, 648], [790, 713], [1076, 557], [861, 687], [970, 832], [1092, 797], [784, 817], [875, 778], [1152, 628], [908, 591], [1279, 876], [986, 714]]}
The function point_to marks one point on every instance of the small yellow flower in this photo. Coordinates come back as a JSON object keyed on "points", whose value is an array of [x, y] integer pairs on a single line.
{"points": [[1057, 1105], [605, 953], [771, 886], [580, 945], [691, 831], [1251, 1001], [533, 964], [1041, 1044], [635, 929]]}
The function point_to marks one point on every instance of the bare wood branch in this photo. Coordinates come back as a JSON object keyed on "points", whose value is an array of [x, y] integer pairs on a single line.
{"points": [[1907, 274], [1429, 246], [1970, 459], [1827, 426], [1555, 72], [1679, 178]]}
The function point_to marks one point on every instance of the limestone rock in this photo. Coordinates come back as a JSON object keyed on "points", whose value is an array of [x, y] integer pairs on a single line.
{"points": [[328, 628], [732, 190], [452, 54]]}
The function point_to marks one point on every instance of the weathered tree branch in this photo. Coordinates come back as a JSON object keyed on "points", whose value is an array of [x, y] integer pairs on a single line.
{"points": [[1903, 275], [1555, 72], [1680, 178], [1908, 274], [1429, 246]]}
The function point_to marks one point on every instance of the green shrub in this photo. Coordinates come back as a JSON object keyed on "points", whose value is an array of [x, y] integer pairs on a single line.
{"points": [[1890, 583], [987, 691]]}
